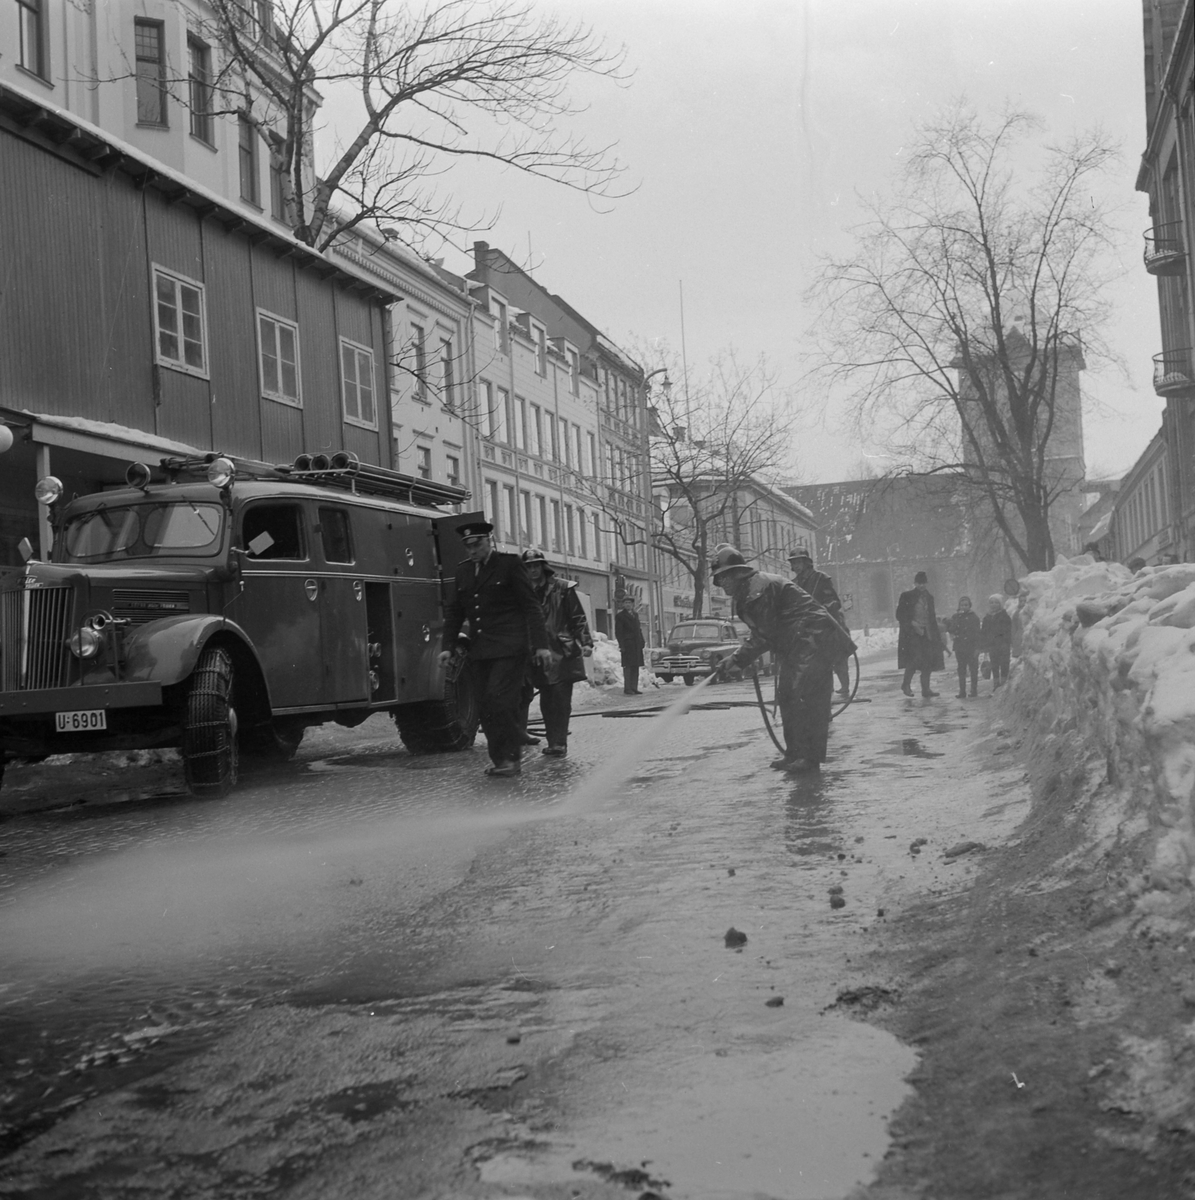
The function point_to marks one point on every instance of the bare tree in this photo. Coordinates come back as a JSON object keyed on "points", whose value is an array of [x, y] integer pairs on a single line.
{"points": [[417, 86], [960, 320], [716, 452]]}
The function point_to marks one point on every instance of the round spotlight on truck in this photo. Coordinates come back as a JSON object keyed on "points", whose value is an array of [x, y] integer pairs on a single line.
{"points": [[320, 462], [138, 475], [48, 490], [84, 643], [220, 472], [5, 438]]}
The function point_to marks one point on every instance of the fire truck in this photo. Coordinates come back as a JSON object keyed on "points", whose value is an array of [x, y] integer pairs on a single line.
{"points": [[223, 606]]}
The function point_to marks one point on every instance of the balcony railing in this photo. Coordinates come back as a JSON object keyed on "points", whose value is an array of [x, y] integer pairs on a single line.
{"points": [[1173, 372], [1165, 249]]}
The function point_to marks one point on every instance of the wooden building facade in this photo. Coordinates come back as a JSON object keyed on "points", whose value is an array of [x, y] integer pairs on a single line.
{"points": [[138, 309]]}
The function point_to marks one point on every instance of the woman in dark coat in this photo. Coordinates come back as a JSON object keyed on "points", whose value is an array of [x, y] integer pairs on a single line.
{"points": [[995, 639], [920, 646], [964, 632]]}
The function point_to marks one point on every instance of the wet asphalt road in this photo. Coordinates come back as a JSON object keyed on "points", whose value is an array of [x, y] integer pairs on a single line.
{"points": [[364, 974]]}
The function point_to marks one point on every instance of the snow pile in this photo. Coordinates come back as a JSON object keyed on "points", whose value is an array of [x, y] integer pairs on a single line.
{"points": [[605, 666], [882, 638], [1108, 673]]}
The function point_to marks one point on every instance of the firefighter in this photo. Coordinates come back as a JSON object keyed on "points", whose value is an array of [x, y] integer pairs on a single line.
{"points": [[506, 623], [569, 640], [806, 641], [821, 588]]}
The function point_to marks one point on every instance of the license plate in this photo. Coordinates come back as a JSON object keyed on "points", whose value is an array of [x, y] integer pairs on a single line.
{"points": [[81, 722]]}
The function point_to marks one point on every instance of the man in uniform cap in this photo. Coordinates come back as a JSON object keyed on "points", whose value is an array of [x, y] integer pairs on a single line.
{"points": [[806, 641], [821, 588], [506, 624]]}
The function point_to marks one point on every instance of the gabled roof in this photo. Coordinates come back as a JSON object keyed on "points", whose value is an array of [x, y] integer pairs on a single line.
{"points": [[877, 520]]}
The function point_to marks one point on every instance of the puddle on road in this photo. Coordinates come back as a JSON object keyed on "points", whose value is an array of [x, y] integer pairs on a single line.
{"points": [[806, 1122]]}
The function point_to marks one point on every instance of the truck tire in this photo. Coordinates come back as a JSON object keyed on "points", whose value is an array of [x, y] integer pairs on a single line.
{"points": [[666, 678], [210, 726], [688, 680], [438, 726]]}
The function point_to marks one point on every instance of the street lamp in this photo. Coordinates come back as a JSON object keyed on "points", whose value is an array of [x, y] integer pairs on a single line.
{"points": [[665, 387]]}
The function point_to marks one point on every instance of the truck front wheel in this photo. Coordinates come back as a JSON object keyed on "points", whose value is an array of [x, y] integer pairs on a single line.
{"points": [[436, 726], [210, 726]]}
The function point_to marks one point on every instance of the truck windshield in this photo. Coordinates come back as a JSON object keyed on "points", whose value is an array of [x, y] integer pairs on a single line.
{"points": [[143, 531]]}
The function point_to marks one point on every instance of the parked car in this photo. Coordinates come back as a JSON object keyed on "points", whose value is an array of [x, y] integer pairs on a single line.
{"points": [[227, 605], [695, 648]]}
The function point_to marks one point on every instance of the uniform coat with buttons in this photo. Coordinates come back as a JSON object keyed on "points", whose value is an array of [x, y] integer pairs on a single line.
{"points": [[506, 623]]}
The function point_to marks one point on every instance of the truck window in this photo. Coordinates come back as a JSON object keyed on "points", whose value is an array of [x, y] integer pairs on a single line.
{"points": [[284, 524], [336, 535], [143, 531]]}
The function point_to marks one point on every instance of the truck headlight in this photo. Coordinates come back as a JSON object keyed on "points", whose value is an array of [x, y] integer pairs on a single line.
{"points": [[84, 643]]}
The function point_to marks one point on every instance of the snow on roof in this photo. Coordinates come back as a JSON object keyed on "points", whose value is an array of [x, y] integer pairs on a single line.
{"points": [[111, 432]]}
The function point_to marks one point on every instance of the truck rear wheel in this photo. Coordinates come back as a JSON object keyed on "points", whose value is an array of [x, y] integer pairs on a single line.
{"points": [[437, 726], [210, 726]]}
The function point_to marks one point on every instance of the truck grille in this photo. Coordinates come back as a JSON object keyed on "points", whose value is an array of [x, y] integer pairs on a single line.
{"points": [[34, 626], [139, 606]]}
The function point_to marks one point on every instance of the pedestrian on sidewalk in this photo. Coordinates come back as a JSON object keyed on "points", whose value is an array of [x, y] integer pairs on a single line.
{"points": [[919, 646], [995, 639], [628, 633], [506, 625], [964, 630], [821, 587], [570, 642], [806, 640]]}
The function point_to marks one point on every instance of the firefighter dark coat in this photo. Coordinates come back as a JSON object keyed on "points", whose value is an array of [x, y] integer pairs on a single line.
{"points": [[806, 641], [504, 614]]}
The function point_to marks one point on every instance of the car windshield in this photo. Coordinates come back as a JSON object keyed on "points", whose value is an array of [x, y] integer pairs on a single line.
{"points": [[709, 631], [143, 531]]}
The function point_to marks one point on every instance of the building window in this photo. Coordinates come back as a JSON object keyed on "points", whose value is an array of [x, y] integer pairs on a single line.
{"points": [[501, 325], [597, 538], [31, 34], [277, 179], [495, 410], [247, 156], [508, 416], [419, 345], [557, 531], [528, 522], [278, 346], [423, 462], [543, 522], [454, 470], [520, 423], [510, 514], [356, 366], [541, 349], [579, 443], [566, 453], [150, 71], [199, 89], [536, 431], [491, 503], [583, 530], [594, 462], [569, 529], [574, 372], [446, 372], [555, 438], [180, 328]]}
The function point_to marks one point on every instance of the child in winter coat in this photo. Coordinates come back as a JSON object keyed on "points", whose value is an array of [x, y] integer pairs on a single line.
{"points": [[996, 639], [964, 630]]}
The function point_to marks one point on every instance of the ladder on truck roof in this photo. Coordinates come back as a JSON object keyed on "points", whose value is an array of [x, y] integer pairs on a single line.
{"points": [[340, 470]]}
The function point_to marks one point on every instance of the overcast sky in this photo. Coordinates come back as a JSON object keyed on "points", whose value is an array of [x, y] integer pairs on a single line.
{"points": [[751, 125]]}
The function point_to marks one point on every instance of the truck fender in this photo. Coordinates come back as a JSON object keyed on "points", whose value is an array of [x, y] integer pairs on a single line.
{"points": [[167, 650]]}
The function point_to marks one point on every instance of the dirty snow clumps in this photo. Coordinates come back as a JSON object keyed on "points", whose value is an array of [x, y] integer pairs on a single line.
{"points": [[1107, 678]]}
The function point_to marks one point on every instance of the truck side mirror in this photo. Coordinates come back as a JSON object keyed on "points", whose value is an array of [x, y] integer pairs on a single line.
{"points": [[25, 546]]}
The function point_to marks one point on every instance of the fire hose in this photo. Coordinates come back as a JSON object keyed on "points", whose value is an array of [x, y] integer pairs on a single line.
{"points": [[763, 708]]}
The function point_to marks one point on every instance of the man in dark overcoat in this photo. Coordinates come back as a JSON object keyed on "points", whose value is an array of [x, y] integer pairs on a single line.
{"points": [[821, 587], [919, 646], [806, 641], [506, 625], [628, 633], [570, 642]]}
